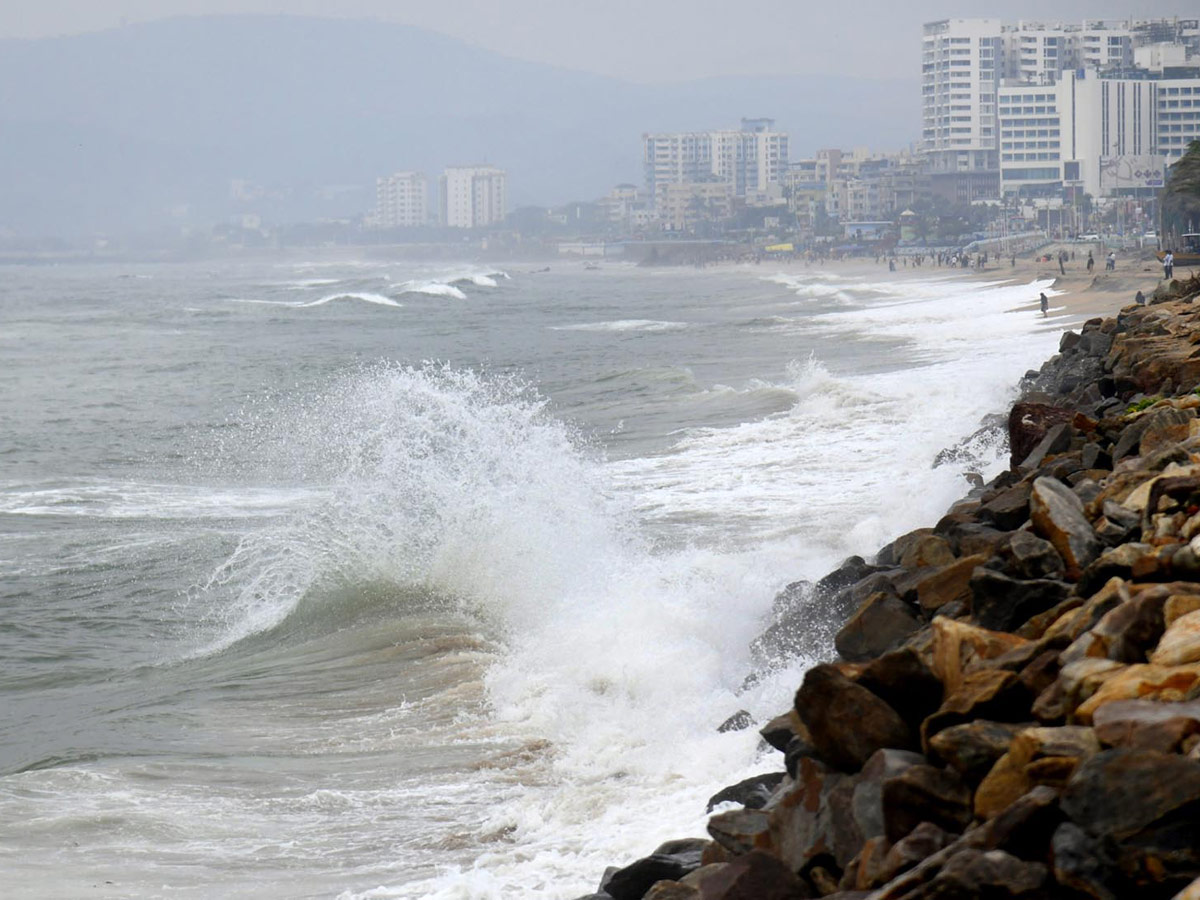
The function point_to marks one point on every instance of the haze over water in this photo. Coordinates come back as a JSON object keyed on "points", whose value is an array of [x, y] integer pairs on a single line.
{"points": [[334, 578]]}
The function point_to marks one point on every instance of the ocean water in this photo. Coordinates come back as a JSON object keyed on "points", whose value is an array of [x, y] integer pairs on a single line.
{"points": [[358, 579]]}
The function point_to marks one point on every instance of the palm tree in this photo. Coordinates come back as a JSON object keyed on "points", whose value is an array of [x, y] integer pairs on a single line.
{"points": [[1180, 201]]}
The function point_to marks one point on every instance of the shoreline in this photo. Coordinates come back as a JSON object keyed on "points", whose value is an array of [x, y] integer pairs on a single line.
{"points": [[1014, 706]]}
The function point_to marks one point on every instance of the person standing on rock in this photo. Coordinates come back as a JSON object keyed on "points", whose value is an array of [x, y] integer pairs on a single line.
{"points": [[1139, 298], [1045, 305]]}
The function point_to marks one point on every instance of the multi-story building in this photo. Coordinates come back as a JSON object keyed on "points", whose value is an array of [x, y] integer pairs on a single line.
{"points": [[401, 200], [1020, 108], [1107, 136], [961, 64], [684, 206], [747, 160], [473, 196]]}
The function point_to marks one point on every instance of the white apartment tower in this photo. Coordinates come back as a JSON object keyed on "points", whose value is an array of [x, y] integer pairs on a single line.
{"points": [[401, 200], [747, 160], [473, 196], [961, 65]]}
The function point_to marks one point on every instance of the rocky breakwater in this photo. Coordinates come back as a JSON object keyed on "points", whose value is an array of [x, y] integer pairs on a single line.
{"points": [[1014, 711]]}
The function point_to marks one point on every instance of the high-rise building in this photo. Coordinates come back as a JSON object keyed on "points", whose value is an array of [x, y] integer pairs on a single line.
{"points": [[401, 200], [747, 160], [1025, 107], [473, 196]]}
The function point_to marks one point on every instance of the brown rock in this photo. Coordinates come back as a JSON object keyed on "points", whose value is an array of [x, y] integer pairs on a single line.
{"points": [[986, 694], [1125, 633], [947, 584], [926, 549], [1028, 423], [846, 721], [1181, 642], [973, 747], [1075, 622], [814, 819], [1191, 892], [1047, 756], [1146, 724], [1118, 793], [956, 645], [754, 876], [880, 624], [1000, 602], [925, 794], [919, 844], [1009, 509], [1165, 427], [672, 890], [781, 729], [905, 682], [1075, 683], [1148, 682], [1178, 605], [1057, 516], [740, 830], [995, 874]]}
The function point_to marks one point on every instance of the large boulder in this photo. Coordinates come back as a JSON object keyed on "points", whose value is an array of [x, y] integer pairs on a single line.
{"points": [[880, 624], [847, 722], [1057, 516], [1147, 724]]}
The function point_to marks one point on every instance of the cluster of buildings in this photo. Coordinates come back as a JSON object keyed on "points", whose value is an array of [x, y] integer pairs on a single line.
{"points": [[1043, 109], [468, 197], [1020, 112]]}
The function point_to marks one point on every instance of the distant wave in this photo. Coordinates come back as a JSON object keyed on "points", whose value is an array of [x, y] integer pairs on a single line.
{"points": [[488, 279], [431, 288], [623, 325], [378, 299]]}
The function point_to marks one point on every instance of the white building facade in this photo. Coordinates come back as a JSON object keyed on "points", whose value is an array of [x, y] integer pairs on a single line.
{"points": [[747, 160], [473, 196], [401, 200]]}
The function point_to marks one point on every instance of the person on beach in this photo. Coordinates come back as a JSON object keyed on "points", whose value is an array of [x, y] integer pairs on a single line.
{"points": [[1139, 298], [1062, 258], [1168, 265], [1091, 263], [1013, 261], [1110, 264], [1045, 305]]}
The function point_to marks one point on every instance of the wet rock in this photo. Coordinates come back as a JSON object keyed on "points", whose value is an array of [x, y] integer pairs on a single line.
{"points": [[1180, 643], [814, 819], [1057, 516], [867, 798], [973, 747], [1164, 427], [754, 876], [1076, 682], [846, 721], [752, 793], [925, 794], [1028, 423], [986, 694], [1075, 622], [1147, 724], [1025, 827], [919, 844], [1125, 633], [1025, 555], [780, 730], [1046, 756], [1085, 864], [881, 624], [1119, 793], [633, 881], [947, 583], [866, 870], [739, 721], [1057, 440], [1149, 682], [1000, 602], [905, 682], [958, 645], [973, 874], [672, 890], [1007, 510], [739, 830], [925, 549], [800, 747]]}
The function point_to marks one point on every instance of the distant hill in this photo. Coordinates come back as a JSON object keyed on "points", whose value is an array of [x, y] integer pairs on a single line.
{"points": [[146, 125]]}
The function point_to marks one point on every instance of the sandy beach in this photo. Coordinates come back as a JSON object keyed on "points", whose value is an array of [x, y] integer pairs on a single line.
{"points": [[1075, 293]]}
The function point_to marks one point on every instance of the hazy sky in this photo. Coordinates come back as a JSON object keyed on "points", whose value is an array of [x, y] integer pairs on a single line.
{"points": [[640, 40]]}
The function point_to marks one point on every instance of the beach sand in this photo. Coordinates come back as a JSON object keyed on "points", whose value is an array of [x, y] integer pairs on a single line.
{"points": [[1074, 294]]}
